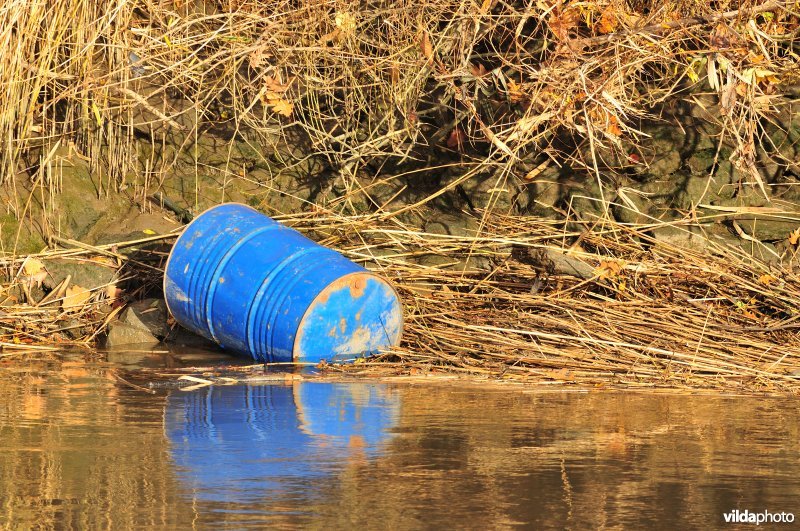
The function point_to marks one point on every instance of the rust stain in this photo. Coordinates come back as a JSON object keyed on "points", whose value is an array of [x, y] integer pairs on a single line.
{"points": [[332, 333], [342, 325], [322, 298], [357, 286]]}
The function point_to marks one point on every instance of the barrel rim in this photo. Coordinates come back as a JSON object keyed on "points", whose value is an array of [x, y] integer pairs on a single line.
{"points": [[184, 231], [374, 275]]}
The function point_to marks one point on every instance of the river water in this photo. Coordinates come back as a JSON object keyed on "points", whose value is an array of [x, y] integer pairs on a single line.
{"points": [[81, 449]]}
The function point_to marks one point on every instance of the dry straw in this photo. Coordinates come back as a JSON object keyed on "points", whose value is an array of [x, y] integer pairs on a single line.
{"points": [[511, 85], [385, 82], [621, 308]]}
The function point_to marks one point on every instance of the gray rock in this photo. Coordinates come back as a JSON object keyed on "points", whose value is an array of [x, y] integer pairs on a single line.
{"points": [[120, 334], [180, 337], [89, 275], [451, 224], [691, 238], [73, 328], [147, 314], [767, 229]]}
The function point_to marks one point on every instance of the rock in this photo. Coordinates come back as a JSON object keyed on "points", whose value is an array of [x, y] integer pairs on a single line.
{"points": [[73, 328], [506, 195], [767, 229], [554, 261], [149, 315], [451, 224], [691, 238], [83, 273], [119, 225], [78, 204], [142, 322], [665, 157], [120, 334], [637, 208], [183, 338]]}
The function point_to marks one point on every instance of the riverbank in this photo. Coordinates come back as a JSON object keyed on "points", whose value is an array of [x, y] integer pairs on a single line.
{"points": [[588, 193], [521, 299]]}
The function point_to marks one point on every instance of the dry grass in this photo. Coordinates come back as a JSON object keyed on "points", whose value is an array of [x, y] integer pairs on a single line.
{"points": [[495, 84], [646, 314], [383, 83]]}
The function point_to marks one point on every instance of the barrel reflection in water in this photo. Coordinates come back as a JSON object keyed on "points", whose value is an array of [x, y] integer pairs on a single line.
{"points": [[244, 442]]}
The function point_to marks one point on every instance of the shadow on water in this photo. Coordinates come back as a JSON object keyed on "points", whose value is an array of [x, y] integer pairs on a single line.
{"points": [[79, 449]]}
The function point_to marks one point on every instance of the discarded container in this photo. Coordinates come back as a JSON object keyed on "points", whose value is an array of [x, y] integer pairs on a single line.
{"points": [[253, 286]]}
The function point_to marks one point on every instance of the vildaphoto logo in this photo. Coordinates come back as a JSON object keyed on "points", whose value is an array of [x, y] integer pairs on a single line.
{"points": [[764, 517]]}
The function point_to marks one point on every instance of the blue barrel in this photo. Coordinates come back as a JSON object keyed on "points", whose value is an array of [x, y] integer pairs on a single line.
{"points": [[259, 288]]}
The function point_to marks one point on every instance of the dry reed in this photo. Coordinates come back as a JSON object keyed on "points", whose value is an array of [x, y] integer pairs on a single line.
{"points": [[386, 83], [647, 313]]}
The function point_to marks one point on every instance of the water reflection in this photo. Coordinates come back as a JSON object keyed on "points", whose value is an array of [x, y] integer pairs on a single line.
{"points": [[80, 449], [242, 443]]}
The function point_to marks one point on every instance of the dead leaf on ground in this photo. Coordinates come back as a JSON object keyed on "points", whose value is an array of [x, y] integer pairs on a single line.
{"points": [[345, 22], [32, 266], [278, 104], [75, 298], [34, 271], [113, 292], [514, 91], [563, 375], [794, 236], [275, 86], [608, 20], [608, 269], [456, 138], [477, 69], [426, 46], [562, 22], [283, 107], [767, 279]]}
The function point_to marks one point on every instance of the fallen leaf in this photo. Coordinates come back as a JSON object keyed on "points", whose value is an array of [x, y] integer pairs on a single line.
{"points": [[562, 22], [345, 22], [97, 116], [113, 292], [283, 107], [767, 279], [150, 232], [477, 70], [34, 271], [106, 261], [456, 138], [514, 91], [563, 375], [794, 236], [608, 20], [613, 126], [32, 266], [275, 86], [756, 75], [426, 46], [608, 269], [75, 298]]}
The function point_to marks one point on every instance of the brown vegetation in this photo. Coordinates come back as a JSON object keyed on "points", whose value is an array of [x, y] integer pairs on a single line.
{"points": [[494, 88]]}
